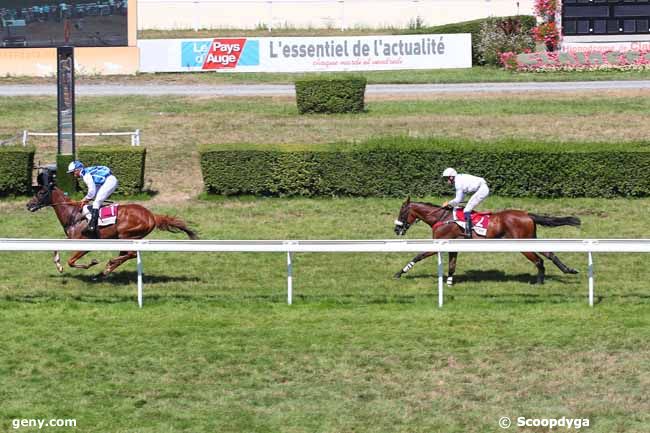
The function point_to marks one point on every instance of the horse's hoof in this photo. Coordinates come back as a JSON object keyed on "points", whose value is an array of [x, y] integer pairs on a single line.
{"points": [[398, 275], [572, 271]]}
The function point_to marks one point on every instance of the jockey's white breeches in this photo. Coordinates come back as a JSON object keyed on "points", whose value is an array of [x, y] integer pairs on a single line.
{"points": [[481, 194], [104, 191]]}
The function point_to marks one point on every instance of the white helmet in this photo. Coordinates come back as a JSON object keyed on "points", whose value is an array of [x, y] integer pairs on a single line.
{"points": [[75, 165], [449, 172]]}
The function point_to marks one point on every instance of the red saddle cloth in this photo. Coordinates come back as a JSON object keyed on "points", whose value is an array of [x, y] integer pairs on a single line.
{"points": [[108, 212], [479, 219]]}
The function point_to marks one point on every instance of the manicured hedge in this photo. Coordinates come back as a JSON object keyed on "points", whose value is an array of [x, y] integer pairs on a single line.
{"points": [[16, 164], [127, 164], [473, 27], [331, 95], [396, 173]]}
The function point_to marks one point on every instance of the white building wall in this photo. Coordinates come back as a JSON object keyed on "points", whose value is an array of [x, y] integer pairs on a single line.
{"points": [[337, 14]]}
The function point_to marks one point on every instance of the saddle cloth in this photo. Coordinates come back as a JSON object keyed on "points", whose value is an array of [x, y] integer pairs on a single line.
{"points": [[107, 214], [480, 220]]}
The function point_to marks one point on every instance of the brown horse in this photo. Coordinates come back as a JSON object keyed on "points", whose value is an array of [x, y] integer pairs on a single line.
{"points": [[133, 222], [513, 224]]}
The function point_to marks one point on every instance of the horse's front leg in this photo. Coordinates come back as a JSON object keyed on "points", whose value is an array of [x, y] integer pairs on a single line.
{"points": [[412, 263], [117, 261], [72, 261], [452, 268], [57, 261]]}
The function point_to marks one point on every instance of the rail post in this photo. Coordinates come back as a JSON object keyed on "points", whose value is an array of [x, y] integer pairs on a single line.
{"points": [[590, 261], [440, 296], [139, 260]]}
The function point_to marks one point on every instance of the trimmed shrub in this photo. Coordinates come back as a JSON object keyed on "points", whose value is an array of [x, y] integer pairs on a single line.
{"points": [[397, 172], [473, 27], [16, 165], [331, 95], [65, 181], [127, 163]]}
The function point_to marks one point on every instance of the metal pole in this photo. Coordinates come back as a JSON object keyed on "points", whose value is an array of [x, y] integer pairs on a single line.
{"points": [[591, 279], [439, 279], [139, 260], [289, 279]]}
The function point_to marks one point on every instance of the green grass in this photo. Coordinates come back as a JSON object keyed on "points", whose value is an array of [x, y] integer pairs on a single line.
{"points": [[216, 348]]}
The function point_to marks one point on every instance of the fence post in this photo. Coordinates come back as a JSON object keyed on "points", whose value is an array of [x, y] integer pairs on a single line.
{"points": [[289, 279], [440, 279], [590, 261], [25, 135], [139, 260]]}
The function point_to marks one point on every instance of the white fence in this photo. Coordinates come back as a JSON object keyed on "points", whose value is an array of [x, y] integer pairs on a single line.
{"points": [[135, 135], [289, 247]]}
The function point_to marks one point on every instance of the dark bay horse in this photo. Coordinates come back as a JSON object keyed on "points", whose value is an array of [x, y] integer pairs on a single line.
{"points": [[513, 224], [133, 222]]}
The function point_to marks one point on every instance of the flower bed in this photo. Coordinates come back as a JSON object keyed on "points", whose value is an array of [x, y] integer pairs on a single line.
{"points": [[633, 60]]}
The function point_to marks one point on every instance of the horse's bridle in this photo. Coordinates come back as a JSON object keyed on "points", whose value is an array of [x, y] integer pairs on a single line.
{"points": [[405, 225]]}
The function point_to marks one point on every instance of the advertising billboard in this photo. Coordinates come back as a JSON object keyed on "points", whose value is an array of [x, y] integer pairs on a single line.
{"points": [[57, 23], [306, 54]]}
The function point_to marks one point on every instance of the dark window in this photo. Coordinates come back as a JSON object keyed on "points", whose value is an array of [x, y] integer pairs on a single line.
{"points": [[585, 17]]}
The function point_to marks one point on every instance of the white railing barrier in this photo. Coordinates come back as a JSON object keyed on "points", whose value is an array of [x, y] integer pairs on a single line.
{"points": [[588, 246], [135, 135]]}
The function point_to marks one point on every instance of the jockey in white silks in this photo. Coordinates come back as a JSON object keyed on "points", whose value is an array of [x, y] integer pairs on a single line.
{"points": [[466, 183], [101, 184]]}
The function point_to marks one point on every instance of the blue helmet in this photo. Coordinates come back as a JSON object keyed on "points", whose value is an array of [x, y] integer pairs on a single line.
{"points": [[75, 165]]}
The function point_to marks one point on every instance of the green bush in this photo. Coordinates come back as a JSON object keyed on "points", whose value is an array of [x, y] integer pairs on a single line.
{"points": [[127, 163], [331, 95], [502, 35], [407, 169], [473, 27], [16, 165]]}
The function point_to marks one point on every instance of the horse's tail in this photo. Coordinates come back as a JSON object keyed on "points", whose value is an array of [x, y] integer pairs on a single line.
{"points": [[550, 221], [175, 225]]}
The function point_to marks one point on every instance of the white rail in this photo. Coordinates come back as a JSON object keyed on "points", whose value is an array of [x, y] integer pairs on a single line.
{"points": [[135, 135], [289, 247]]}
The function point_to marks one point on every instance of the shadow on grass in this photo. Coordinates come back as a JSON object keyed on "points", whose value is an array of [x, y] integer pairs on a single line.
{"points": [[494, 275], [128, 278]]}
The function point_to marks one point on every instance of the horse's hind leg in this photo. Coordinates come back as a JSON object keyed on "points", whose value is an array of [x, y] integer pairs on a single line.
{"points": [[452, 268], [539, 263], [117, 261], [556, 261], [412, 263], [57, 261], [72, 261]]}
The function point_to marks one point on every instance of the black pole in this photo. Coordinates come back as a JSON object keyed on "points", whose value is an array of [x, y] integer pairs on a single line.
{"points": [[66, 116]]}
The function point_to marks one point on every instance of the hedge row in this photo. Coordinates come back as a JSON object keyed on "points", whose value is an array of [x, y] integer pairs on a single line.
{"points": [[396, 173], [473, 27], [16, 170], [127, 163]]}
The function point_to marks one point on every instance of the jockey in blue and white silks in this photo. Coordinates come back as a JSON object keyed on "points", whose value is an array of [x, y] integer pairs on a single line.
{"points": [[101, 184], [466, 183]]}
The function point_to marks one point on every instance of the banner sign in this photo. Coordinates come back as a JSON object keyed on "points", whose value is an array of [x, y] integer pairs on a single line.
{"points": [[305, 54]]}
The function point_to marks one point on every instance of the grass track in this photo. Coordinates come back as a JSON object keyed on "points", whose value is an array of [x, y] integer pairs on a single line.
{"points": [[217, 349]]}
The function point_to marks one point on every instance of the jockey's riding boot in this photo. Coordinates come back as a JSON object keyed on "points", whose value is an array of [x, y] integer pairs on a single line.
{"points": [[468, 225], [94, 219]]}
